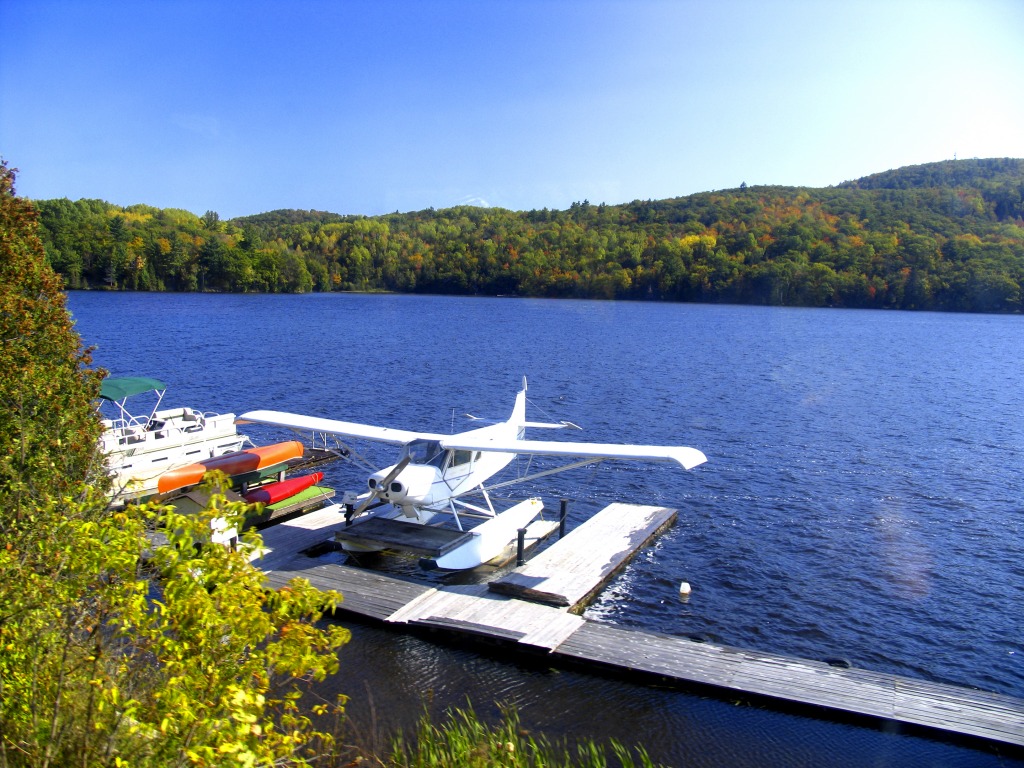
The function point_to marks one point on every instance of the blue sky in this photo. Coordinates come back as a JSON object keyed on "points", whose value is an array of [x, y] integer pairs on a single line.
{"points": [[372, 107]]}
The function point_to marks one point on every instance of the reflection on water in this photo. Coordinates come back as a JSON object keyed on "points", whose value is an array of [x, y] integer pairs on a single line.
{"points": [[391, 677]]}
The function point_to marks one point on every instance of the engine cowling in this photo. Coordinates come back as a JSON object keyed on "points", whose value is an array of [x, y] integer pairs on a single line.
{"points": [[411, 486]]}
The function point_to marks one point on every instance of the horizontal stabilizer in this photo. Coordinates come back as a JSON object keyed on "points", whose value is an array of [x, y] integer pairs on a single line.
{"points": [[531, 424]]}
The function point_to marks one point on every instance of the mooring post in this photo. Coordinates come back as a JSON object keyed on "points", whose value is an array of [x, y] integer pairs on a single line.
{"points": [[521, 547], [561, 517]]}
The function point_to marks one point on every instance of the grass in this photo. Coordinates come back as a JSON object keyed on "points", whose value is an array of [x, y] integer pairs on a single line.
{"points": [[463, 740]]}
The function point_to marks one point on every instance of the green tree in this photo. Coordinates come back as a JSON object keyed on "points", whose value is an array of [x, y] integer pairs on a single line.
{"points": [[115, 649], [761, 244], [211, 220], [48, 427]]}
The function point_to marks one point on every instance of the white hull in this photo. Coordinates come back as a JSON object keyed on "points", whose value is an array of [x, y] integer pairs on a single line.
{"points": [[138, 453]]}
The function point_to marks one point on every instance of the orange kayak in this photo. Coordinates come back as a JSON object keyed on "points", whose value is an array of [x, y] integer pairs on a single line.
{"points": [[235, 463]]}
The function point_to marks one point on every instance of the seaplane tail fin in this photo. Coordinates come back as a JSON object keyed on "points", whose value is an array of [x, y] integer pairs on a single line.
{"points": [[518, 417]]}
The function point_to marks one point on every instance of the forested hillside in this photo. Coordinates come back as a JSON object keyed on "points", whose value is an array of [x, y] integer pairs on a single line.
{"points": [[943, 236]]}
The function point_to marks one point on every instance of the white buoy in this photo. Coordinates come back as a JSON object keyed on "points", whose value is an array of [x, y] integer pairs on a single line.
{"points": [[684, 588]]}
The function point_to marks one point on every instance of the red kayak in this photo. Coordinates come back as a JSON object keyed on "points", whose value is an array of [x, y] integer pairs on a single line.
{"points": [[235, 463], [284, 489]]}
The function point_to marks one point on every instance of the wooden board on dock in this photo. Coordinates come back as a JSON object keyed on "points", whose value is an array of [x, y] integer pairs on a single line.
{"points": [[571, 571], [283, 542], [364, 592], [475, 610], [964, 711], [385, 533]]}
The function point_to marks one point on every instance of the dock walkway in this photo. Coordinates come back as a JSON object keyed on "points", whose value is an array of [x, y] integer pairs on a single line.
{"points": [[481, 612], [572, 572]]}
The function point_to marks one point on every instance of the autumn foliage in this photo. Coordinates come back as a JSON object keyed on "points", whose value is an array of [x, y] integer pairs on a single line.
{"points": [[942, 236]]}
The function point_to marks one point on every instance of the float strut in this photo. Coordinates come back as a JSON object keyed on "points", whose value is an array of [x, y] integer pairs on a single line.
{"points": [[520, 547], [561, 517]]}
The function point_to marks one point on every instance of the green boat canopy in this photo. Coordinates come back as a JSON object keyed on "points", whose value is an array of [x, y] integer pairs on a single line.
{"points": [[120, 388]]}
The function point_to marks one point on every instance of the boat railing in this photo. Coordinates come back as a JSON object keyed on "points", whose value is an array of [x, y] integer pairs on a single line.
{"points": [[165, 428], [183, 424], [126, 431]]}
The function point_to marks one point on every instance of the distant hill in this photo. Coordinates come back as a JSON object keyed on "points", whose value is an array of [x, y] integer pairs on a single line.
{"points": [[948, 173], [940, 236]]}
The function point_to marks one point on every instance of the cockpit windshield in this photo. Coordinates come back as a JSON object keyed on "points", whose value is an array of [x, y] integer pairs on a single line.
{"points": [[425, 452]]}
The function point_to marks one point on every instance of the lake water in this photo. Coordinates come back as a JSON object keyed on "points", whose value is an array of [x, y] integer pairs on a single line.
{"points": [[862, 496]]}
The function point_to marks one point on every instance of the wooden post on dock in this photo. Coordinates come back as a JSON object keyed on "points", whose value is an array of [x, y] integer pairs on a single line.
{"points": [[561, 517], [521, 547]]}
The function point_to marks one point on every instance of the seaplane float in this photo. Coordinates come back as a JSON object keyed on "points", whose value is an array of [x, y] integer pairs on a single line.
{"points": [[439, 490]]}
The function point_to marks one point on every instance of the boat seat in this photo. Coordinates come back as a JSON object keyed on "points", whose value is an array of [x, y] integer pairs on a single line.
{"points": [[194, 422]]}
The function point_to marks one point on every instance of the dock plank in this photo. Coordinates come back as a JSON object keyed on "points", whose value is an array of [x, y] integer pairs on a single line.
{"points": [[572, 570], [475, 608], [385, 533], [364, 592], [282, 542], [933, 705]]}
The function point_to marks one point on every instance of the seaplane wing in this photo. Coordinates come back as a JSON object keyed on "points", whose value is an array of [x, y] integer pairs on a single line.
{"points": [[688, 458], [334, 427]]}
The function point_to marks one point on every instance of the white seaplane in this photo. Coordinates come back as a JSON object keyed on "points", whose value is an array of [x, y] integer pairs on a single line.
{"points": [[437, 474]]}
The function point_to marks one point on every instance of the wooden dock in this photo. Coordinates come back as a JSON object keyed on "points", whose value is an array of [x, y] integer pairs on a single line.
{"points": [[477, 611], [571, 574], [288, 539]]}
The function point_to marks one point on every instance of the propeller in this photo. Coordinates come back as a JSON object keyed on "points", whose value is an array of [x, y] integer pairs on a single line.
{"points": [[382, 486]]}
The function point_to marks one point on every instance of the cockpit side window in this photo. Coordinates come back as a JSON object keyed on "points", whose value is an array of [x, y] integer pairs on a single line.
{"points": [[425, 452], [461, 457]]}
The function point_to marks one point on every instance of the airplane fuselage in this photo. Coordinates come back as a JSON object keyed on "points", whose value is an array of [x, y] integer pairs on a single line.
{"points": [[434, 475]]}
